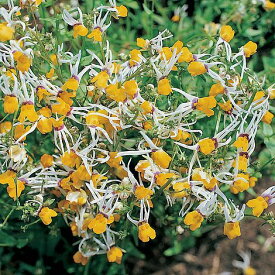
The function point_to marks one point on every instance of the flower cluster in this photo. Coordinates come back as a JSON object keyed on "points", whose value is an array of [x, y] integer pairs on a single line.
{"points": [[115, 131]]}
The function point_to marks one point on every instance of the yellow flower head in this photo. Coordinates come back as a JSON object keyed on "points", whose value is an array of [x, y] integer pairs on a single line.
{"points": [[162, 178], [164, 87], [258, 205], [205, 105], [242, 142], [114, 255], [27, 113], [6, 32], [194, 220], [242, 161], [5, 127], [186, 55], [142, 43], [71, 159], [142, 192], [101, 80], [241, 184], [180, 189], [196, 68], [130, 88], [114, 160], [227, 33], [10, 104], [216, 89], [268, 5], [96, 35], [46, 214], [115, 93], [122, 11], [79, 30], [207, 145], [23, 61], [135, 57], [232, 230], [15, 189], [20, 130], [267, 118], [146, 232], [250, 48], [226, 106], [146, 107], [46, 160], [99, 224], [161, 158], [72, 84], [80, 259]]}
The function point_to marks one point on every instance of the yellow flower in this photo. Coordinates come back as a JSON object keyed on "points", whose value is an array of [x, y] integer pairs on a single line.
{"points": [[6, 32], [232, 230], [161, 158], [186, 55], [79, 30], [142, 43], [71, 159], [267, 118], [182, 136], [101, 79], [196, 68], [249, 271], [27, 113], [194, 220], [146, 232], [23, 61], [114, 160], [15, 189], [227, 33], [207, 145], [46, 214], [250, 48], [164, 87], [226, 106], [116, 93], [96, 35], [50, 73], [122, 11], [42, 93], [241, 184], [130, 88], [175, 18], [205, 105], [61, 108], [143, 193], [80, 259], [10, 104], [162, 178], [95, 119], [259, 95], [252, 181], [146, 107], [135, 57], [180, 189], [54, 59], [99, 224], [258, 205], [46, 160], [19, 131], [5, 127], [216, 89], [242, 142], [72, 84], [242, 162], [114, 255], [45, 125], [7, 177], [268, 5]]}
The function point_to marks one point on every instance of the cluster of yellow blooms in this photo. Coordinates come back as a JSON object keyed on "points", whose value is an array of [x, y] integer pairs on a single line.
{"points": [[115, 144]]}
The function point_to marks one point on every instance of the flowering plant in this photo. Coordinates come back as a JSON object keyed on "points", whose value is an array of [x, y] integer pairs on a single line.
{"points": [[115, 131]]}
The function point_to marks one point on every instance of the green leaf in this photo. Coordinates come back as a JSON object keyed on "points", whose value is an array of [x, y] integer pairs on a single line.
{"points": [[6, 239]]}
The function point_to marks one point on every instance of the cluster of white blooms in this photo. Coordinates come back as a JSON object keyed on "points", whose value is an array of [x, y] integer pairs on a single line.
{"points": [[121, 133]]}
